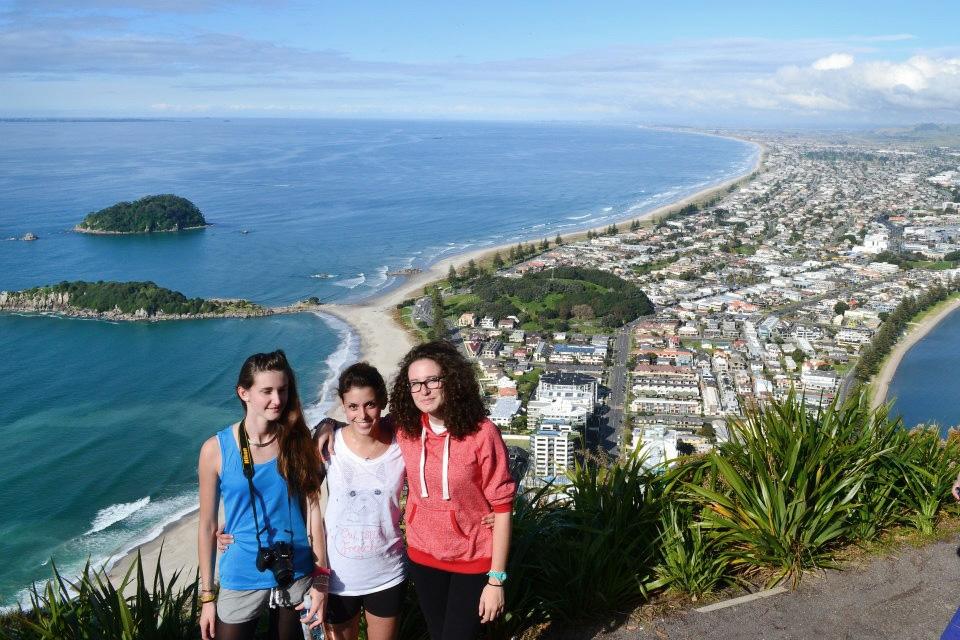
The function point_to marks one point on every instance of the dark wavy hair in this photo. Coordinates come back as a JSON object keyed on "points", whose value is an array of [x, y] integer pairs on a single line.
{"points": [[362, 374], [462, 410], [297, 460]]}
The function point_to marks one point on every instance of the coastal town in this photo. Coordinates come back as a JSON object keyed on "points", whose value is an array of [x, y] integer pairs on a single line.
{"points": [[775, 285]]}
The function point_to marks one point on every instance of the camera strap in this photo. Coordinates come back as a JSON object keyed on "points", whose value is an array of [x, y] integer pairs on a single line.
{"points": [[246, 458]]}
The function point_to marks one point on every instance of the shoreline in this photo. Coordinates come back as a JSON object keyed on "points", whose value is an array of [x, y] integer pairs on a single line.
{"points": [[384, 341], [880, 384], [256, 311], [101, 232]]}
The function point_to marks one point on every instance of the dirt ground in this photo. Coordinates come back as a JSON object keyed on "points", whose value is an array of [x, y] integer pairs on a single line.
{"points": [[910, 595]]}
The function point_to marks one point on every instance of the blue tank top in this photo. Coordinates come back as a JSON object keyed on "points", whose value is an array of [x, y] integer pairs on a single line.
{"points": [[238, 564]]}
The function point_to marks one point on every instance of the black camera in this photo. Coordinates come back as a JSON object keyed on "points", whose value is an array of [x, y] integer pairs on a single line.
{"points": [[278, 557]]}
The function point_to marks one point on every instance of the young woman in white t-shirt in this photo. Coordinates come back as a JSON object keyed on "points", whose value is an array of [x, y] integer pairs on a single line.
{"points": [[365, 481]]}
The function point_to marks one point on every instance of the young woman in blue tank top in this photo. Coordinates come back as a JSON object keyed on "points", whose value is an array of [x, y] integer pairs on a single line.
{"points": [[278, 554]]}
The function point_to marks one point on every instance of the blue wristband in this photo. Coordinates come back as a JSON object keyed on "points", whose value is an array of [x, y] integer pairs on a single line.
{"points": [[498, 575]]}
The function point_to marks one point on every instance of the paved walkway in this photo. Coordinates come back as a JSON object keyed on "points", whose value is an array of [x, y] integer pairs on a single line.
{"points": [[910, 595]]}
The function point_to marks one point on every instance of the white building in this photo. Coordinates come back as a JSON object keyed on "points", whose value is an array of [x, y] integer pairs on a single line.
{"points": [[504, 410], [553, 450], [578, 388], [557, 409]]}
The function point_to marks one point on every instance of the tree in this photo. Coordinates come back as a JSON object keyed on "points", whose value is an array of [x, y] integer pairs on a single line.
{"points": [[583, 312], [472, 271], [840, 308], [685, 448], [452, 276], [497, 261], [558, 241], [439, 329], [544, 244]]}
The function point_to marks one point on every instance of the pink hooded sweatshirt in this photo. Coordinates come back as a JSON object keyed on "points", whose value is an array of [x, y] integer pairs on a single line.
{"points": [[453, 484]]}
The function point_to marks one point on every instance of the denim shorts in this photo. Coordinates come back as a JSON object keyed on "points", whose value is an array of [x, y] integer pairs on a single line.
{"points": [[235, 606]]}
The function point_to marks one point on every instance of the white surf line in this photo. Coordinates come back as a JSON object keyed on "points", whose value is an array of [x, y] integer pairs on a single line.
{"points": [[742, 599]]}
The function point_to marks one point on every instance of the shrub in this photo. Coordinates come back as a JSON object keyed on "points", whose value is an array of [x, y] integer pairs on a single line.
{"points": [[692, 558], [792, 479], [93, 608]]}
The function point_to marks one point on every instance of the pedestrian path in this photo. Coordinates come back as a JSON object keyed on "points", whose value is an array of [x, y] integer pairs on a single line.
{"points": [[910, 595]]}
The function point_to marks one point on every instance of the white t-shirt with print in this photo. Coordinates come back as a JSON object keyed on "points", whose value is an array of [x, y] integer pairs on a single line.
{"points": [[362, 519]]}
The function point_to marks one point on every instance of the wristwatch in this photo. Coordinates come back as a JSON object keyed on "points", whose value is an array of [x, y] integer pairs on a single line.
{"points": [[498, 575]]}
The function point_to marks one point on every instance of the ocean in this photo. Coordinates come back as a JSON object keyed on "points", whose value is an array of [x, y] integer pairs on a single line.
{"points": [[103, 421], [923, 389]]}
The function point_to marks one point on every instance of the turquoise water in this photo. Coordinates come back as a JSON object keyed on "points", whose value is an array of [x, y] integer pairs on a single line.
{"points": [[103, 421], [108, 454], [925, 387]]}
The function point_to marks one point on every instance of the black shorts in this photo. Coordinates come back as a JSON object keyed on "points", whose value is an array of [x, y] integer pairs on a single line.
{"points": [[383, 604]]}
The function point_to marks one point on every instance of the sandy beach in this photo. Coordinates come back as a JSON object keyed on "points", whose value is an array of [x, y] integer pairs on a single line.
{"points": [[383, 342], [881, 382]]}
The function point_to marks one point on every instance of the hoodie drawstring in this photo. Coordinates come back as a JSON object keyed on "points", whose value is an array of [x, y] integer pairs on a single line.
{"points": [[425, 424]]}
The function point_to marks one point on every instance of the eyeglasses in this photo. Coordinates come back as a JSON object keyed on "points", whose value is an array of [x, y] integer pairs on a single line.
{"points": [[429, 383]]}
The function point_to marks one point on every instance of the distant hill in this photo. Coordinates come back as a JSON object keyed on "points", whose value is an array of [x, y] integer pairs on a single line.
{"points": [[557, 299], [147, 215], [927, 132]]}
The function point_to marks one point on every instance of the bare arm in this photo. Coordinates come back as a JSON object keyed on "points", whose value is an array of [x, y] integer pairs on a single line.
{"points": [[318, 543], [492, 600], [208, 471], [502, 528]]}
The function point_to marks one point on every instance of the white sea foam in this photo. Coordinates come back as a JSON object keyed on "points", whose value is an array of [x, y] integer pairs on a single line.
{"points": [[583, 217], [115, 513], [607, 209], [352, 283], [380, 280], [159, 514], [107, 545], [348, 351]]}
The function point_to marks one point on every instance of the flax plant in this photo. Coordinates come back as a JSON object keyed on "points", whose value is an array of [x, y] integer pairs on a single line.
{"points": [[693, 560], [601, 546], [92, 608], [928, 467], [792, 479]]}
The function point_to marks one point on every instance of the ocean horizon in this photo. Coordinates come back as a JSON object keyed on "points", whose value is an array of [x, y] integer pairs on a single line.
{"points": [[107, 418]]}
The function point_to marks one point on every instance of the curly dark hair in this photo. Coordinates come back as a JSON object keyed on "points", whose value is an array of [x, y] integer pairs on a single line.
{"points": [[462, 410]]}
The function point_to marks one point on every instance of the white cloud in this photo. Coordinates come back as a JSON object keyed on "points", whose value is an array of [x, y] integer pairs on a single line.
{"points": [[721, 79], [833, 61]]}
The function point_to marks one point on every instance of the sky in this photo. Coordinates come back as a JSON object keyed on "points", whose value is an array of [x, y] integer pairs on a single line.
{"points": [[728, 63]]}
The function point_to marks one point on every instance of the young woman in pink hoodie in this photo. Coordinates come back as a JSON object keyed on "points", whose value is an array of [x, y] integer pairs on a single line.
{"points": [[457, 472]]}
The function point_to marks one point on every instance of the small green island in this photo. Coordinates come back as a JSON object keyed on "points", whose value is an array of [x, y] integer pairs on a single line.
{"points": [[132, 301], [151, 214]]}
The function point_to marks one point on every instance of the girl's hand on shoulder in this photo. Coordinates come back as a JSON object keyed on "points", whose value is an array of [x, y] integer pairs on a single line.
{"points": [[491, 603], [208, 620], [323, 436]]}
